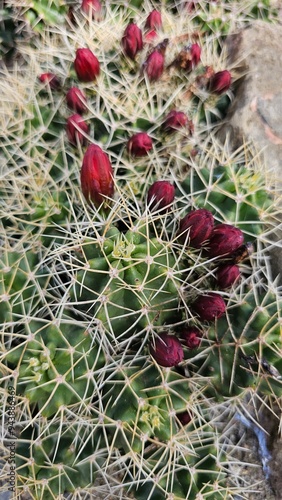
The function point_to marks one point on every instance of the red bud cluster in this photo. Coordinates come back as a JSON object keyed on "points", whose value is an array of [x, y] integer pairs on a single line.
{"points": [[209, 307], [92, 8], [220, 82], [77, 129], [154, 20], [176, 120], [227, 275], [76, 100], [132, 41], [196, 227], [139, 144], [96, 176], [160, 196], [51, 80], [224, 240], [167, 350], [86, 65], [154, 65]]}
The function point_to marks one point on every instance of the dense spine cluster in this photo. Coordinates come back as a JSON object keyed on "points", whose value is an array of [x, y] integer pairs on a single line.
{"points": [[136, 299]]}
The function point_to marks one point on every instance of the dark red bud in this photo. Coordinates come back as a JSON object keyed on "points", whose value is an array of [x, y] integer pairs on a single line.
{"points": [[76, 100], [154, 65], [184, 417], [167, 350], [160, 196], [96, 176], [150, 36], [77, 129], [227, 274], [176, 120], [51, 80], [224, 240], [139, 144], [92, 7], [132, 41], [209, 307], [196, 227], [154, 21], [86, 65], [190, 336], [220, 82]]}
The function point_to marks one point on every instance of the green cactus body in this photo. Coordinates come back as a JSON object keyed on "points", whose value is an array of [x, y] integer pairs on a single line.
{"points": [[233, 194], [50, 463], [55, 365], [21, 276], [128, 285]]}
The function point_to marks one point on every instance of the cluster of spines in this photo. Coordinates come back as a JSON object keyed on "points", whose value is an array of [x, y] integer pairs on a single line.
{"points": [[251, 363]]}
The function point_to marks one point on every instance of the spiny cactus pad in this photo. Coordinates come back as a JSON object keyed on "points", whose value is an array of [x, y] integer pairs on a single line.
{"points": [[99, 275]]}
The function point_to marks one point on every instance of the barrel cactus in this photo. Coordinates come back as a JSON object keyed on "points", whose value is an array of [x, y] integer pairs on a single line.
{"points": [[137, 300]]}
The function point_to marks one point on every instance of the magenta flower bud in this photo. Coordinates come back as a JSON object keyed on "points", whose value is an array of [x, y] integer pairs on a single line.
{"points": [[92, 7], [191, 337], [209, 307], [86, 65], [150, 36], [176, 120], [220, 82], [77, 129], [196, 227], [51, 80], [76, 100], [139, 144], [227, 274], [195, 54], [167, 350], [154, 20], [154, 65], [96, 176], [132, 41], [160, 195], [224, 240]]}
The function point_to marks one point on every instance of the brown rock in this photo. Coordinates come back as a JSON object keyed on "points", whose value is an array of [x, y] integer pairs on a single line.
{"points": [[256, 113]]}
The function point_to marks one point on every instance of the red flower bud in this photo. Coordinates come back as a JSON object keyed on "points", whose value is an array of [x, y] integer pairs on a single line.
{"points": [[132, 40], [154, 65], [160, 195], [196, 227], [167, 350], [77, 129], [227, 274], [209, 307], [177, 120], [139, 144], [220, 82], [92, 7], [86, 65], [224, 240], [96, 176], [191, 337], [76, 100], [150, 36], [50, 79], [154, 20]]}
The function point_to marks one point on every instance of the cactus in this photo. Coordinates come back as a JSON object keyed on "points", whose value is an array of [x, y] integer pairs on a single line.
{"points": [[128, 326]]}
